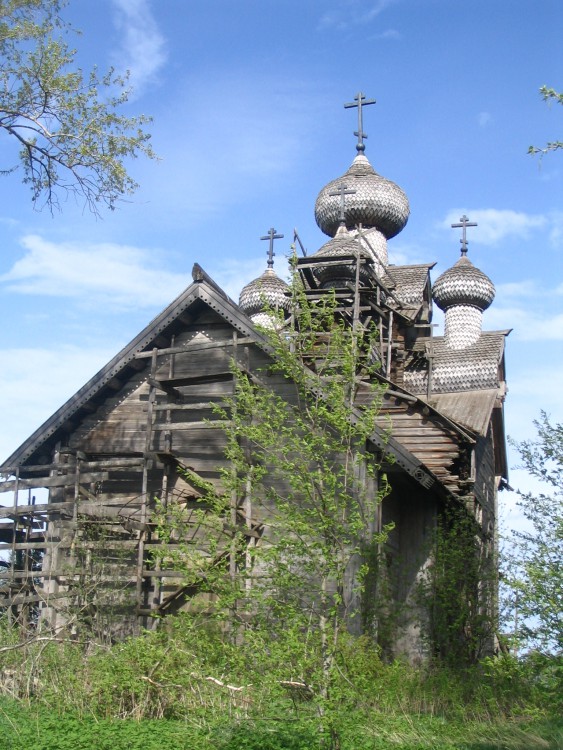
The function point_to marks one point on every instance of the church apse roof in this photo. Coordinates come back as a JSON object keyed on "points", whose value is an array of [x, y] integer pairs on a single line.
{"points": [[475, 367]]}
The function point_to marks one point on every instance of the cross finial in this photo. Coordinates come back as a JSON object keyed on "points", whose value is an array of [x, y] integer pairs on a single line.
{"points": [[359, 102], [271, 236], [342, 191], [464, 222]]}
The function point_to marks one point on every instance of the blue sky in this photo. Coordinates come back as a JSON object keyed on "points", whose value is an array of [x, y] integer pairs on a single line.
{"points": [[247, 99]]}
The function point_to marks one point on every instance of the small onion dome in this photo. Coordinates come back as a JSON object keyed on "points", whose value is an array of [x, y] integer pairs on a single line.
{"points": [[267, 291], [376, 202], [344, 243], [463, 284]]}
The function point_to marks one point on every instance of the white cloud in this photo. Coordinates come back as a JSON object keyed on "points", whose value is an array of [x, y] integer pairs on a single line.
{"points": [[204, 172], [388, 34], [528, 324], [353, 13], [406, 254], [142, 50], [116, 276], [556, 231], [496, 225], [517, 290], [484, 118], [376, 9]]}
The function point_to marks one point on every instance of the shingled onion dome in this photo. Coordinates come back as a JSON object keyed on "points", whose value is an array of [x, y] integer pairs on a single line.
{"points": [[267, 294], [262, 295], [463, 292], [346, 243], [375, 245], [376, 202]]}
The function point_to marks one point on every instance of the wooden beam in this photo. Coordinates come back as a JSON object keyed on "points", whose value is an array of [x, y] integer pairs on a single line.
{"points": [[39, 509], [165, 387], [196, 346]]}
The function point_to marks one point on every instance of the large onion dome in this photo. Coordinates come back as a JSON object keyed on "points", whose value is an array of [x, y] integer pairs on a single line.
{"points": [[267, 292], [375, 202], [463, 284]]}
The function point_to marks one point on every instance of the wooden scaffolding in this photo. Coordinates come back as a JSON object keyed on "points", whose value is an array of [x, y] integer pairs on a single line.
{"points": [[106, 503]]}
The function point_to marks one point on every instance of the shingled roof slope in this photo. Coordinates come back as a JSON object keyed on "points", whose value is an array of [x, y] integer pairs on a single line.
{"points": [[471, 409], [474, 368], [410, 282]]}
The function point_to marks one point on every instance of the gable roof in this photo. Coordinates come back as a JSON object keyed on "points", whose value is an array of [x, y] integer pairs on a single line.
{"points": [[411, 282], [204, 291]]}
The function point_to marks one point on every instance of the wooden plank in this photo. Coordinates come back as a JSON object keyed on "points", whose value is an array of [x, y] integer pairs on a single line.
{"points": [[190, 380], [197, 406], [195, 347], [163, 574], [216, 424], [53, 481]]}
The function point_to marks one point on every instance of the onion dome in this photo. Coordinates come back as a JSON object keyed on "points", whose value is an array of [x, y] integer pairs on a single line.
{"points": [[344, 243], [463, 284], [373, 201], [264, 293], [463, 292], [375, 245], [267, 292]]}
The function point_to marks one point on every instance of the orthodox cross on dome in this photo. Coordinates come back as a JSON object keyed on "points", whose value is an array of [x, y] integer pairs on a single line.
{"points": [[271, 236], [342, 190], [464, 223], [359, 102]]}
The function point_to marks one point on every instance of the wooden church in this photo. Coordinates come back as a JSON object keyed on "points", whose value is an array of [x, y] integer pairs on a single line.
{"points": [[83, 548]]}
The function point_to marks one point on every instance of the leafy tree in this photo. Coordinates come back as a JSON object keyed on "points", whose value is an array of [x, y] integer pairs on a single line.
{"points": [[459, 591], [536, 575], [71, 137], [548, 95], [299, 460]]}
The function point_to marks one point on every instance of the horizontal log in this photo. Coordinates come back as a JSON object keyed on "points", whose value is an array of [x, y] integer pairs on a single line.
{"points": [[21, 599]]}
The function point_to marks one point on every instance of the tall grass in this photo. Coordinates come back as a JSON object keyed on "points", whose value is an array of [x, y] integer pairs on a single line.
{"points": [[197, 681]]}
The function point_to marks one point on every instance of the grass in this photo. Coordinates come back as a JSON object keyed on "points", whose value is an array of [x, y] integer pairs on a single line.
{"points": [[33, 728]]}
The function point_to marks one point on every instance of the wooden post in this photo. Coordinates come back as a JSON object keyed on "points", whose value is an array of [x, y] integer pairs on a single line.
{"points": [[389, 344], [15, 526], [144, 488], [233, 499], [251, 539]]}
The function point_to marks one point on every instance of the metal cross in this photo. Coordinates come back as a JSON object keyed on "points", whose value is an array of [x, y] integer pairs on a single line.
{"points": [[271, 236], [464, 222], [342, 191], [359, 102]]}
